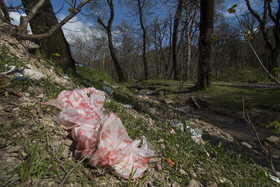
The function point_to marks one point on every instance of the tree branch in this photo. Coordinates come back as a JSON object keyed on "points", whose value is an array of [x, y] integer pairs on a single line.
{"points": [[22, 28], [246, 117], [5, 10], [270, 13], [101, 23], [57, 26], [262, 23]]}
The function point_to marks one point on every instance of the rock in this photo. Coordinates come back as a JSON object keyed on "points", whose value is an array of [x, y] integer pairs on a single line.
{"points": [[193, 174], [212, 184], [40, 96], [12, 149], [160, 140], [245, 144], [1, 107], [275, 156], [224, 180], [273, 140], [174, 184], [168, 101], [193, 183], [158, 167], [35, 90], [29, 45], [33, 74], [183, 172], [68, 142]]}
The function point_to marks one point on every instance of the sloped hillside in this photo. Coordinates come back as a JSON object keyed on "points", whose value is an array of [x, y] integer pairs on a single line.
{"points": [[37, 151]]}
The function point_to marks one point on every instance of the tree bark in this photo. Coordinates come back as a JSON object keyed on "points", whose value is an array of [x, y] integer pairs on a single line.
{"points": [[108, 29], [175, 37], [42, 20], [205, 43]]}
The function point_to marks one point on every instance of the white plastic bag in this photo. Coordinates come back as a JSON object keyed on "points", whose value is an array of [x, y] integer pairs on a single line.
{"points": [[91, 128]]}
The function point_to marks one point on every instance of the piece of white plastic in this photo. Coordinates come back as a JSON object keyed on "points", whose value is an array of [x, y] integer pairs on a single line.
{"points": [[91, 128]]}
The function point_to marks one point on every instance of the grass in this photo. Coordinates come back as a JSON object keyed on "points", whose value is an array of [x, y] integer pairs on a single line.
{"points": [[39, 167], [244, 74], [211, 163], [7, 60], [257, 100]]}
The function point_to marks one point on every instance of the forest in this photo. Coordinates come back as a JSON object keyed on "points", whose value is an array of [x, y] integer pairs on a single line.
{"points": [[194, 83]]}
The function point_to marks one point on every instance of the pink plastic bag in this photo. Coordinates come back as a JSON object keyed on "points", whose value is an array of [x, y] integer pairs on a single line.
{"points": [[91, 128]]}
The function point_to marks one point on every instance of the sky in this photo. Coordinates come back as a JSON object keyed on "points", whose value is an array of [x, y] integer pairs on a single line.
{"points": [[76, 26], [80, 25]]}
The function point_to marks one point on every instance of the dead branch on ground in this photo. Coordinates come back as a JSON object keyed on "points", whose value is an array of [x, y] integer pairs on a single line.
{"points": [[247, 118]]}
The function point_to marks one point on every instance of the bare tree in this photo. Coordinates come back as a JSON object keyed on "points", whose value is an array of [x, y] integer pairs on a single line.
{"points": [[177, 18], [141, 4], [108, 29], [274, 15], [190, 28], [205, 43], [47, 31], [44, 25], [127, 49]]}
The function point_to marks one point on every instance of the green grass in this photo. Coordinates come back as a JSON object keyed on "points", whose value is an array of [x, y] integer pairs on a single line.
{"points": [[96, 78], [245, 74], [160, 82], [210, 163], [7, 60]]}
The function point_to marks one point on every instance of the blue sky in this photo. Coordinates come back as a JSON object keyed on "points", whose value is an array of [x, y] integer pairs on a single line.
{"points": [[82, 24]]}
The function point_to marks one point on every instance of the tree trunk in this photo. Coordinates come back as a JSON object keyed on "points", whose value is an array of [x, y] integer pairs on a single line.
{"points": [[188, 55], [145, 62], [175, 37], [42, 21], [275, 57], [108, 28], [205, 43]]}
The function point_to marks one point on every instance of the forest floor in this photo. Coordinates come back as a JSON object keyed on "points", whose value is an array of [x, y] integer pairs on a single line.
{"points": [[222, 107], [37, 151]]}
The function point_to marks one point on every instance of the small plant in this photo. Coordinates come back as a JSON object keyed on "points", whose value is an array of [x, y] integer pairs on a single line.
{"points": [[275, 125]]}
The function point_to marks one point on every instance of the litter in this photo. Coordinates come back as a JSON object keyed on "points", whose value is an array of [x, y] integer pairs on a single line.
{"points": [[172, 131], [91, 128], [20, 73], [171, 162], [194, 131], [274, 178], [33, 74], [177, 124], [108, 90], [127, 106]]}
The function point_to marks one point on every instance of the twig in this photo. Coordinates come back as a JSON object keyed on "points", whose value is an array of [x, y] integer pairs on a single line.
{"points": [[52, 152], [248, 120], [67, 175], [11, 181]]}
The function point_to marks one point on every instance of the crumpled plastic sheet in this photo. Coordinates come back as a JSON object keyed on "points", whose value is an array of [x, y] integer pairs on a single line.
{"points": [[83, 112]]}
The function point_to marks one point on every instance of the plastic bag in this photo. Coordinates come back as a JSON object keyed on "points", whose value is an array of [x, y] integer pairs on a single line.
{"points": [[91, 128]]}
